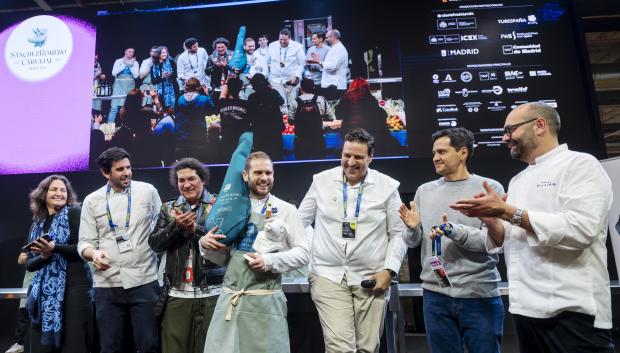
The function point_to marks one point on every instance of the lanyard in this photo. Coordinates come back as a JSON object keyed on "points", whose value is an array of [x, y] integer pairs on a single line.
{"points": [[107, 208], [345, 197], [265, 206], [285, 51], [189, 59], [436, 246]]}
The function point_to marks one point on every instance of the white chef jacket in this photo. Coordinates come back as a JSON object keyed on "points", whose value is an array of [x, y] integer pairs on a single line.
{"points": [[119, 66], [295, 244], [258, 65], [335, 67], [128, 269], [563, 265], [145, 67], [378, 243], [193, 65], [292, 56]]}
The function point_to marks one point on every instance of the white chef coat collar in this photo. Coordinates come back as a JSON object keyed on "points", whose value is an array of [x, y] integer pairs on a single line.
{"points": [[549, 155]]}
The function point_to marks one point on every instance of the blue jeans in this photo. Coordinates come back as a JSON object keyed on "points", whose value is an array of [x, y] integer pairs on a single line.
{"points": [[114, 304], [112, 114], [450, 322]]}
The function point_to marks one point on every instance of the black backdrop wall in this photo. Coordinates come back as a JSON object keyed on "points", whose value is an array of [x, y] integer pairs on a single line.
{"points": [[292, 180]]}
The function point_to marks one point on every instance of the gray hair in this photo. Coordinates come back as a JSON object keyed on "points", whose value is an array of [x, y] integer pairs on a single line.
{"points": [[336, 33], [545, 111]]}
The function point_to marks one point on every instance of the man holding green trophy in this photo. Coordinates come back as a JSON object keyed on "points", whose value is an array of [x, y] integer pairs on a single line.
{"points": [[250, 315]]}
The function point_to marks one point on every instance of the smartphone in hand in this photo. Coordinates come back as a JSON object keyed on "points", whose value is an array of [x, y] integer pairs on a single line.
{"points": [[182, 208], [29, 246]]}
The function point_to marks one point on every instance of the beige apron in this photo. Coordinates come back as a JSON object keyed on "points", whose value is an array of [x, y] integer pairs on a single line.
{"points": [[250, 316], [122, 85]]}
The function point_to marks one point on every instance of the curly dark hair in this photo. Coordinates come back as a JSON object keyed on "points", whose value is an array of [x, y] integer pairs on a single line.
{"points": [[220, 40], [189, 163]]}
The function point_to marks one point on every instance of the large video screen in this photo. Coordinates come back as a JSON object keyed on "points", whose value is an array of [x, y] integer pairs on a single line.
{"points": [[205, 124], [468, 63], [45, 94], [405, 74]]}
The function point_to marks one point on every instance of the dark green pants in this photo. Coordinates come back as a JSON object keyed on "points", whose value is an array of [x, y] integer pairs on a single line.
{"points": [[185, 323]]}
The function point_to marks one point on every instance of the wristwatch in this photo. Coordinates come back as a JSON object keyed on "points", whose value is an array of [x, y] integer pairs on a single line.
{"points": [[515, 220]]}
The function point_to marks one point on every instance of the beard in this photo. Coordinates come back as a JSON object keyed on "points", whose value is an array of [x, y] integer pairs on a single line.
{"points": [[521, 146], [254, 188], [120, 182], [516, 152]]}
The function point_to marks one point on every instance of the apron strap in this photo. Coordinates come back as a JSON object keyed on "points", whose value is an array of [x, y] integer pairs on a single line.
{"points": [[235, 296]]}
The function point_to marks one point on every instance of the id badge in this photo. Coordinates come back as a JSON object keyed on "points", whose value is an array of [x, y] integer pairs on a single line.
{"points": [[439, 271], [123, 243], [349, 226]]}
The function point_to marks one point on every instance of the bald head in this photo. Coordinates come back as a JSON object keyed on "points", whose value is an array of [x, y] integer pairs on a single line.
{"points": [[333, 37], [531, 130], [541, 110]]}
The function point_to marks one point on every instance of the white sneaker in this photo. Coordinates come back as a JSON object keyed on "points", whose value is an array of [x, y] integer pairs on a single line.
{"points": [[16, 348]]}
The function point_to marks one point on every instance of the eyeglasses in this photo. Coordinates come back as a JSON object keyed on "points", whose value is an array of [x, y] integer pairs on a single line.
{"points": [[510, 129]]}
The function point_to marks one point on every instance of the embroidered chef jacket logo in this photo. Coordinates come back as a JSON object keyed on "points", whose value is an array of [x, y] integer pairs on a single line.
{"points": [[545, 184]]}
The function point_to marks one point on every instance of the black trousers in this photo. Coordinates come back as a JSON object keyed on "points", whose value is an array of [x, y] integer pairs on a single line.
{"points": [[114, 305], [569, 332], [21, 328]]}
